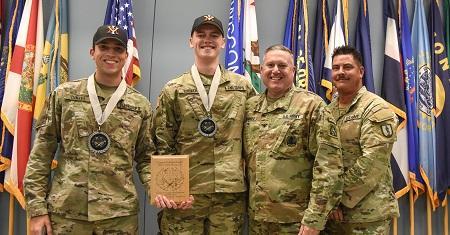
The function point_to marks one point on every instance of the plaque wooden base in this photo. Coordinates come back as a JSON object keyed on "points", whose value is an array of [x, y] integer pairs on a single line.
{"points": [[170, 177]]}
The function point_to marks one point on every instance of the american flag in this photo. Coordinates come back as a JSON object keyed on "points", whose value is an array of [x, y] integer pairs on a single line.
{"points": [[120, 13]]}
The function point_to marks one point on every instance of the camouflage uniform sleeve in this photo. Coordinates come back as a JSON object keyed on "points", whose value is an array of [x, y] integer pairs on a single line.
{"points": [[38, 167], [377, 138], [164, 125], [145, 148], [250, 90], [326, 188]]}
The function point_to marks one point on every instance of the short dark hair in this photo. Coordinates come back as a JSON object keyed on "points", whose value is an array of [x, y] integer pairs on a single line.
{"points": [[278, 47], [348, 50]]}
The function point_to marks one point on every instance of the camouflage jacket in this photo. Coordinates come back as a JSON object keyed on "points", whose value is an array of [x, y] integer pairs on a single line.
{"points": [[294, 159], [368, 131], [215, 163], [87, 186]]}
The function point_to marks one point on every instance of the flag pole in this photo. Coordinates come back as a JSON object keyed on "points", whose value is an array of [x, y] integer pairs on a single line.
{"points": [[395, 226], [429, 229], [411, 212], [28, 225], [446, 218], [11, 214]]}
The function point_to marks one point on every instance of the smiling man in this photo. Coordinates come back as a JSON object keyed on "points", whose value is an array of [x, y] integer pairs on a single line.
{"points": [[368, 131], [98, 126], [292, 151], [201, 114]]}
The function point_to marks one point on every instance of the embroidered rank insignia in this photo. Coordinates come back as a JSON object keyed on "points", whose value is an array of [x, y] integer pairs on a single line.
{"points": [[333, 131], [387, 131], [291, 141]]}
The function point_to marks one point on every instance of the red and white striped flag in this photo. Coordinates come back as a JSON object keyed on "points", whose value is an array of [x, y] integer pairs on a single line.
{"points": [[120, 13], [18, 101]]}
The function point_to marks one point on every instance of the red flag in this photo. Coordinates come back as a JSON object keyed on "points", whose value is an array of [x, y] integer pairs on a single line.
{"points": [[18, 102]]}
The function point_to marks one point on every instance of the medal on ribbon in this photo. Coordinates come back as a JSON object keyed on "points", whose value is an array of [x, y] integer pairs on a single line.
{"points": [[99, 141], [206, 126]]}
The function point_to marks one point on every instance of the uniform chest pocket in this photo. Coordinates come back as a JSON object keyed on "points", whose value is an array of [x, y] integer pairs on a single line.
{"points": [[289, 143], [76, 116], [237, 109], [350, 131], [124, 126]]}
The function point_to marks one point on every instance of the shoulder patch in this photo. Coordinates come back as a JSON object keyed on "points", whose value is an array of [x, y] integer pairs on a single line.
{"points": [[387, 130]]}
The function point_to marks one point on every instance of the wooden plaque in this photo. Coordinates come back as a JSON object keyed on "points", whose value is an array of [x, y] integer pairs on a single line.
{"points": [[170, 177]]}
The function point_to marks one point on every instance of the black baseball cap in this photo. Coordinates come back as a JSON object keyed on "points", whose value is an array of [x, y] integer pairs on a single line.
{"points": [[207, 19], [110, 32]]}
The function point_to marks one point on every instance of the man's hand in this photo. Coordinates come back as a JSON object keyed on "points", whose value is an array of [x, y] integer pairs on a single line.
{"points": [[40, 225], [305, 230], [336, 215], [162, 202], [186, 204]]}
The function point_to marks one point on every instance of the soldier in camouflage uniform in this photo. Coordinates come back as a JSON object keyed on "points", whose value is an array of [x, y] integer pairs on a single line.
{"points": [[92, 189], [209, 132], [368, 130], [292, 151]]}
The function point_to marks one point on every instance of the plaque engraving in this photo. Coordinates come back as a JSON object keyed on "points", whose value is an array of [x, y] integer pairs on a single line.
{"points": [[170, 177]]}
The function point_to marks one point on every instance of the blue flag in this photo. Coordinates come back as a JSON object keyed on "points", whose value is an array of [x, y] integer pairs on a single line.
{"points": [[234, 60], [363, 44], [320, 45], [289, 32], [7, 139], [447, 27], [296, 39], [409, 77], [392, 89], [440, 72], [425, 104]]}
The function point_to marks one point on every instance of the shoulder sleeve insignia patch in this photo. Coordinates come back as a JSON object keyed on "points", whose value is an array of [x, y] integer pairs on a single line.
{"points": [[387, 130]]}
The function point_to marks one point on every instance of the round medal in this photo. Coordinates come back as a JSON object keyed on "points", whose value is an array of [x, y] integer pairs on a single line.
{"points": [[99, 142], [207, 127]]}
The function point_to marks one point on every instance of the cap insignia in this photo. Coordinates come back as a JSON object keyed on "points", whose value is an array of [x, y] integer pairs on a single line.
{"points": [[113, 29]]}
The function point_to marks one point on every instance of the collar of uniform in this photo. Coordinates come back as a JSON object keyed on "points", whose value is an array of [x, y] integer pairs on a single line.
{"points": [[281, 103], [103, 94], [360, 93], [335, 103], [224, 77]]}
